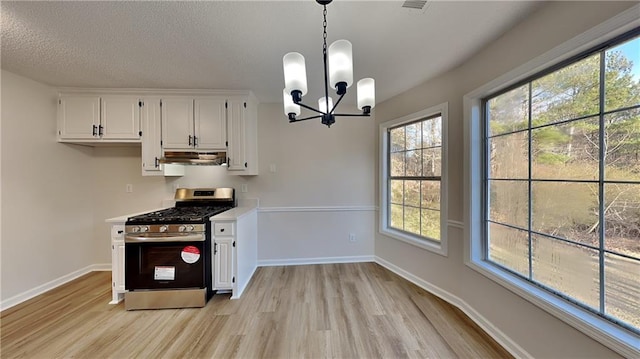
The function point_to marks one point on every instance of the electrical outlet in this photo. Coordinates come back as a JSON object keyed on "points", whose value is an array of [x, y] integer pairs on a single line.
{"points": [[129, 188], [272, 168], [352, 237], [244, 188]]}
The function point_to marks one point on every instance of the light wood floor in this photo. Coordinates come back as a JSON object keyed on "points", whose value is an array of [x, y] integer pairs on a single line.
{"points": [[358, 310]]}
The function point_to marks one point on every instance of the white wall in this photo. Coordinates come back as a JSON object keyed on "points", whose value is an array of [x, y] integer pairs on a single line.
{"points": [[47, 224], [316, 167], [538, 333]]}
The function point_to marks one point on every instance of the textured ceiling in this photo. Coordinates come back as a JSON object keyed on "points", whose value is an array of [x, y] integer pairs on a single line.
{"points": [[240, 44]]}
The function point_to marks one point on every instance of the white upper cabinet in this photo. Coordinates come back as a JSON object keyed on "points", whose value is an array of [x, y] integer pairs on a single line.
{"points": [[120, 118], [164, 120], [151, 136], [194, 123], [98, 118], [78, 117], [242, 152], [210, 123], [236, 155], [177, 123]]}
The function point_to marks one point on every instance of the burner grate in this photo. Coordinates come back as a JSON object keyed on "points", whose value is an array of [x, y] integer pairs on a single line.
{"points": [[195, 214]]}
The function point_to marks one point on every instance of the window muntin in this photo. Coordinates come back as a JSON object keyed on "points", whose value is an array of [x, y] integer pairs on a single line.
{"points": [[414, 177], [562, 154]]}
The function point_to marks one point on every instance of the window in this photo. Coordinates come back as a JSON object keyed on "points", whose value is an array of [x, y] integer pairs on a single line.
{"points": [[563, 182], [552, 182], [412, 183]]}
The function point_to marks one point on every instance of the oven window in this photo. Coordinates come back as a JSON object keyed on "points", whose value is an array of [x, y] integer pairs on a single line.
{"points": [[165, 265]]}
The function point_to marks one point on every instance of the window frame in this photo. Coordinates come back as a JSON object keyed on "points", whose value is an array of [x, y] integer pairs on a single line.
{"points": [[602, 330], [440, 247]]}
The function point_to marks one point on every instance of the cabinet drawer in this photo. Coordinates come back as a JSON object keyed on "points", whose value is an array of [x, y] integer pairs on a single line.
{"points": [[117, 232], [223, 229]]}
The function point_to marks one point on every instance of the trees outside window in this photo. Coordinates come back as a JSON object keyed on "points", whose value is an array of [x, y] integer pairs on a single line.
{"points": [[415, 158]]}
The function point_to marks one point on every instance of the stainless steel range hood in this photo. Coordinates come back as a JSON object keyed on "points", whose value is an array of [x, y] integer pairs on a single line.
{"points": [[195, 158]]}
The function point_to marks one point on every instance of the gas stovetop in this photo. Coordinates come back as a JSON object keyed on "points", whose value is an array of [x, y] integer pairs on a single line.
{"points": [[193, 206], [195, 214]]}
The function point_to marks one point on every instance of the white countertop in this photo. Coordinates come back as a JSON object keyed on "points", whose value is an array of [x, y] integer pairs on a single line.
{"points": [[245, 206]]}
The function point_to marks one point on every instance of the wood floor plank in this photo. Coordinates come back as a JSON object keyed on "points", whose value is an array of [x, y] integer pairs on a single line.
{"points": [[353, 310]]}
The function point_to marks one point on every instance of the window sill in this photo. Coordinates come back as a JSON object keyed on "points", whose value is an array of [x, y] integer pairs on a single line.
{"points": [[432, 246], [601, 330]]}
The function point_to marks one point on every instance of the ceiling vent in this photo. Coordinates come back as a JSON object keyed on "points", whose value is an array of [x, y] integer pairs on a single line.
{"points": [[414, 4]]}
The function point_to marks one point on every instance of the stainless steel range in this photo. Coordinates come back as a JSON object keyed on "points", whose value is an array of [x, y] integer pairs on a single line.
{"points": [[168, 257]]}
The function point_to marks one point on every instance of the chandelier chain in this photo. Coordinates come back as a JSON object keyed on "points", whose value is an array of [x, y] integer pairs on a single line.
{"points": [[324, 30]]}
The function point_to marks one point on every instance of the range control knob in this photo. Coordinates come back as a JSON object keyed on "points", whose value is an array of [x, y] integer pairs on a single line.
{"points": [[163, 229], [189, 228], [181, 228], [135, 229], [144, 228]]}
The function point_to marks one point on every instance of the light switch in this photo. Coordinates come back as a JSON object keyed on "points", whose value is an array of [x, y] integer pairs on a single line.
{"points": [[243, 188], [129, 188]]}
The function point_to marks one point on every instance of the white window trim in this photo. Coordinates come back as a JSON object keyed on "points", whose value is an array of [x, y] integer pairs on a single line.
{"points": [[615, 337], [440, 248]]}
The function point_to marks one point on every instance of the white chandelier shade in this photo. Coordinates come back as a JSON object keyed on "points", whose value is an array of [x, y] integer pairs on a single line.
{"points": [[295, 73], [340, 63], [322, 104], [366, 93], [289, 105]]}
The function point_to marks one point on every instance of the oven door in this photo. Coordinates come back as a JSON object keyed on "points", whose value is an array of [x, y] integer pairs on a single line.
{"points": [[165, 263]]}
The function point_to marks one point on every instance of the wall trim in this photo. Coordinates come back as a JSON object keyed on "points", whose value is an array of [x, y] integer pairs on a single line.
{"points": [[318, 209], [34, 292], [499, 336], [319, 260], [456, 224]]}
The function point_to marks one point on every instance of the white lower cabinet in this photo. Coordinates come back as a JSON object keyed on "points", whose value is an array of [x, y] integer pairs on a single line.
{"points": [[235, 252], [117, 262]]}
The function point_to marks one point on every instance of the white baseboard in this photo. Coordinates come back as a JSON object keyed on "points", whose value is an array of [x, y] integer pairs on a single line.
{"points": [[104, 267], [26, 295], [320, 260], [499, 336]]}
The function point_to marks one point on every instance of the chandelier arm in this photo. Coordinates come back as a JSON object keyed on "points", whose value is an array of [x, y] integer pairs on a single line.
{"points": [[310, 108], [306, 118], [351, 115], [337, 102]]}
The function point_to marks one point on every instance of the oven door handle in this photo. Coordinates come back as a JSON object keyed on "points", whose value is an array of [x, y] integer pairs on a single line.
{"points": [[147, 238]]}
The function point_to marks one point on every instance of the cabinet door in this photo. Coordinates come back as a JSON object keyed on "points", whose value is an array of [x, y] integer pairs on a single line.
{"points": [[78, 117], [223, 267], [210, 123], [177, 123], [151, 136], [236, 153], [118, 270], [120, 118]]}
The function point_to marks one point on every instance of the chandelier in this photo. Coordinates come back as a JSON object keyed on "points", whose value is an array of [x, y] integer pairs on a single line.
{"points": [[338, 73]]}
